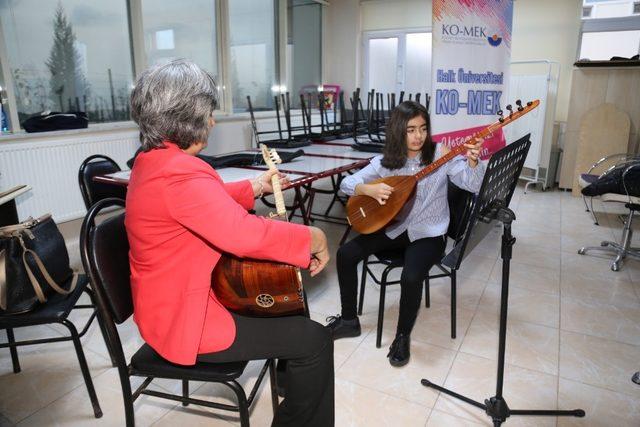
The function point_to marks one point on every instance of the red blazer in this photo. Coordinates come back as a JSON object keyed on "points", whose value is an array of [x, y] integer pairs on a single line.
{"points": [[179, 217]]}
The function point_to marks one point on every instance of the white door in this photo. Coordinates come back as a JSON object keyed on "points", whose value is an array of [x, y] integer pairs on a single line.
{"points": [[397, 61]]}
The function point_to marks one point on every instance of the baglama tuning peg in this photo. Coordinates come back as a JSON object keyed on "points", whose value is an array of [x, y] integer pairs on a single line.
{"points": [[519, 104], [510, 108], [500, 116], [529, 104]]}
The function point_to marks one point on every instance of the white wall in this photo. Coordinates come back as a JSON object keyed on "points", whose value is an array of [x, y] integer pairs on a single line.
{"points": [[341, 44], [395, 14], [548, 29]]}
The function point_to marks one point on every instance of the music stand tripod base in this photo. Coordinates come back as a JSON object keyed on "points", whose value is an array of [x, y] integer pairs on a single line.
{"points": [[491, 206]]}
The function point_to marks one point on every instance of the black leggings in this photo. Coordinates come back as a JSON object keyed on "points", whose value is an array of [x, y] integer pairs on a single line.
{"points": [[308, 348], [419, 257]]}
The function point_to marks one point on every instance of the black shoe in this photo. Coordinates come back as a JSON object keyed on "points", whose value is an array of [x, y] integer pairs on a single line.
{"points": [[399, 351], [341, 328]]}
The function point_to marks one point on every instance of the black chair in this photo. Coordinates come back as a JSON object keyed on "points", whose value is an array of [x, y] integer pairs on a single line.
{"points": [[104, 250], [460, 204], [623, 187], [612, 161], [93, 191], [55, 310]]}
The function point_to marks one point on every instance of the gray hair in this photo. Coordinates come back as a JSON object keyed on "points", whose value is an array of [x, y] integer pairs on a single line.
{"points": [[173, 102]]}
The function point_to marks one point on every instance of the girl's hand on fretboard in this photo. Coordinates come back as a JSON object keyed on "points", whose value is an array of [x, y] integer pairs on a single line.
{"points": [[474, 147]]}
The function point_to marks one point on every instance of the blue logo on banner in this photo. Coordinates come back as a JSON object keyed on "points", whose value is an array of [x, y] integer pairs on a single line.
{"points": [[494, 40]]}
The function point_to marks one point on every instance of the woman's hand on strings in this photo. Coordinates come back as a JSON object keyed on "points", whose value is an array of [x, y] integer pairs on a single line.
{"points": [[319, 251], [381, 191], [474, 147]]}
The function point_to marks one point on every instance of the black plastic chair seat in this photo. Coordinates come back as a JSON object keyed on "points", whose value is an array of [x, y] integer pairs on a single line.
{"points": [[589, 178], [391, 257], [146, 362], [58, 306]]}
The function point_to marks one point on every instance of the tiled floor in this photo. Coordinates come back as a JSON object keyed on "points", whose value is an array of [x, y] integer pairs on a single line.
{"points": [[573, 341]]}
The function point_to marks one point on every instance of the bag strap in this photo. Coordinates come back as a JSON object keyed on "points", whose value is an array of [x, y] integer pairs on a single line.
{"points": [[34, 282]]}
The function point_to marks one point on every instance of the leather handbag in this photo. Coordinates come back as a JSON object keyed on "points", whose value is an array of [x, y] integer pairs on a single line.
{"points": [[34, 264]]}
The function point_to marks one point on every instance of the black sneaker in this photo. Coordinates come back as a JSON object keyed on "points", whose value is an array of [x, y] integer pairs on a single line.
{"points": [[399, 351], [341, 328]]}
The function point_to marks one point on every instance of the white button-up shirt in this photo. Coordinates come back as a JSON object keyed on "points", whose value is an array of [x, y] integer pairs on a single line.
{"points": [[427, 214]]}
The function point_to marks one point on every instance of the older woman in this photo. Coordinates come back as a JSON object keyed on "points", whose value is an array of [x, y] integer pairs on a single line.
{"points": [[180, 216]]}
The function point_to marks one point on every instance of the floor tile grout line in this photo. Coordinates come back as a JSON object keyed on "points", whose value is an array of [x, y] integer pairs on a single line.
{"points": [[601, 387], [608, 340], [81, 384], [559, 333], [387, 394], [458, 351], [206, 412], [354, 350]]}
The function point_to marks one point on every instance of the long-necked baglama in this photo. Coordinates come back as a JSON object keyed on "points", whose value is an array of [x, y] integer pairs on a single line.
{"points": [[257, 287], [367, 216]]}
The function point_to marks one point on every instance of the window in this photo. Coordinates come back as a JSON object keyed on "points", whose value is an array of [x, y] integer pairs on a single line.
{"points": [[612, 30], [636, 7], [69, 55], [383, 66], [586, 11], [605, 44], [304, 46], [80, 55], [252, 53], [185, 29], [418, 63], [599, 9], [398, 61]]}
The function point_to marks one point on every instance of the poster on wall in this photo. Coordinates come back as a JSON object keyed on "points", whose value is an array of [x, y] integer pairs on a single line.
{"points": [[470, 69]]}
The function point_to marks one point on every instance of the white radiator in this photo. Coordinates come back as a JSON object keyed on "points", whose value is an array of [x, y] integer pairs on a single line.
{"points": [[51, 166]]}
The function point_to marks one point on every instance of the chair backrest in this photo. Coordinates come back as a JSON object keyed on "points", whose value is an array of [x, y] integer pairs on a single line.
{"points": [[92, 191], [460, 204], [104, 250], [105, 256], [631, 179]]}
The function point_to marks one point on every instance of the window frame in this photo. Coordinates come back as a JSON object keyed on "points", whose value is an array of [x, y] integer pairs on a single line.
{"points": [[401, 34], [139, 62], [599, 25]]}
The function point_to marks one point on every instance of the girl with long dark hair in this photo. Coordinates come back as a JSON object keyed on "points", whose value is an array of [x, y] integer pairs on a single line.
{"points": [[420, 226]]}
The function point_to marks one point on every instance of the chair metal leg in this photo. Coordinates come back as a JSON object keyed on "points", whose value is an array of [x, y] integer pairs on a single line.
{"points": [[102, 328], [363, 282], [275, 402], [345, 235], [243, 406], [383, 288], [453, 304], [14, 351], [593, 214], [185, 392], [620, 250], [83, 367], [427, 293]]}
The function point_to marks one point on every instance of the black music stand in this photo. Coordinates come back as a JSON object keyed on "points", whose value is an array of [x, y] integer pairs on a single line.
{"points": [[491, 208]]}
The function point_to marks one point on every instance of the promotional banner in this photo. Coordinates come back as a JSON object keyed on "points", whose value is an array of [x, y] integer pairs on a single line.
{"points": [[470, 69]]}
